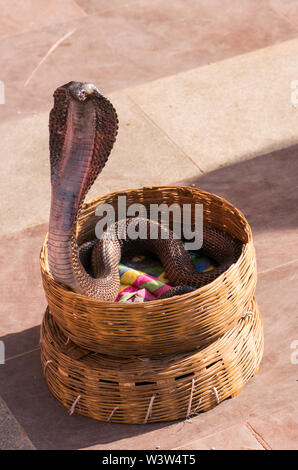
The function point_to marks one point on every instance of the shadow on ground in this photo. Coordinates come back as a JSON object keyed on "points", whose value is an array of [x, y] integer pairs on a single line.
{"points": [[46, 422], [265, 189]]}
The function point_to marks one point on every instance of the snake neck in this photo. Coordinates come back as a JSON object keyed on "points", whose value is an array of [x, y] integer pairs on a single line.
{"points": [[68, 180], [81, 137]]}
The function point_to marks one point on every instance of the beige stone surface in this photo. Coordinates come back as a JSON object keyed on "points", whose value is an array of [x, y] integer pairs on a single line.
{"points": [[286, 8], [228, 111], [123, 43], [96, 7], [19, 17], [237, 437], [142, 155], [279, 430]]}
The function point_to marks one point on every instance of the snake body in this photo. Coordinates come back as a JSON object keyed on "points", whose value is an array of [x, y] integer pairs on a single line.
{"points": [[83, 126]]}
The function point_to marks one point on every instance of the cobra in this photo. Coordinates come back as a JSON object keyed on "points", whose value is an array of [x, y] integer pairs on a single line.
{"points": [[83, 126]]}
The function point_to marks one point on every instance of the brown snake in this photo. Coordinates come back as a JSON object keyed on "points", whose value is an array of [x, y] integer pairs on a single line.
{"points": [[83, 127]]}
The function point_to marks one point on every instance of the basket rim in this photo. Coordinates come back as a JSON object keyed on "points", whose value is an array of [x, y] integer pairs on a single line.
{"points": [[89, 202], [156, 302]]}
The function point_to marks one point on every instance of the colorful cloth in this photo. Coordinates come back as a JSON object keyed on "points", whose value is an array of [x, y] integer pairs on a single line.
{"points": [[131, 278], [201, 263], [141, 286], [131, 294]]}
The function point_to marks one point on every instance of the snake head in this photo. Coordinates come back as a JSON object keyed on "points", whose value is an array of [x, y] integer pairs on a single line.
{"points": [[93, 113], [83, 127], [81, 90]]}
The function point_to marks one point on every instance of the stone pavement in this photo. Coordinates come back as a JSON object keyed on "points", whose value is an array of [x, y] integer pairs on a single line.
{"points": [[193, 111], [123, 43]]}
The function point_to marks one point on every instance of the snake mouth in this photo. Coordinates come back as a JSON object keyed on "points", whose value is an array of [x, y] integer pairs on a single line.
{"points": [[82, 90]]}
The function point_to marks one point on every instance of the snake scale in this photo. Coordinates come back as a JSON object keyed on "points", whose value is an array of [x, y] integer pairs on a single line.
{"points": [[83, 126]]}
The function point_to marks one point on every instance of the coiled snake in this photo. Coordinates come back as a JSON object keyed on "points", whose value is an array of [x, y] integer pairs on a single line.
{"points": [[83, 127]]}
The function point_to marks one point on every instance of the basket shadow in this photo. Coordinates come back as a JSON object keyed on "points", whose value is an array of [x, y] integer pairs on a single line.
{"points": [[46, 422], [264, 188]]}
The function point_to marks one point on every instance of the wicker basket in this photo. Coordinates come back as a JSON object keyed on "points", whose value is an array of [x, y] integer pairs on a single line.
{"points": [[163, 389], [179, 324]]}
